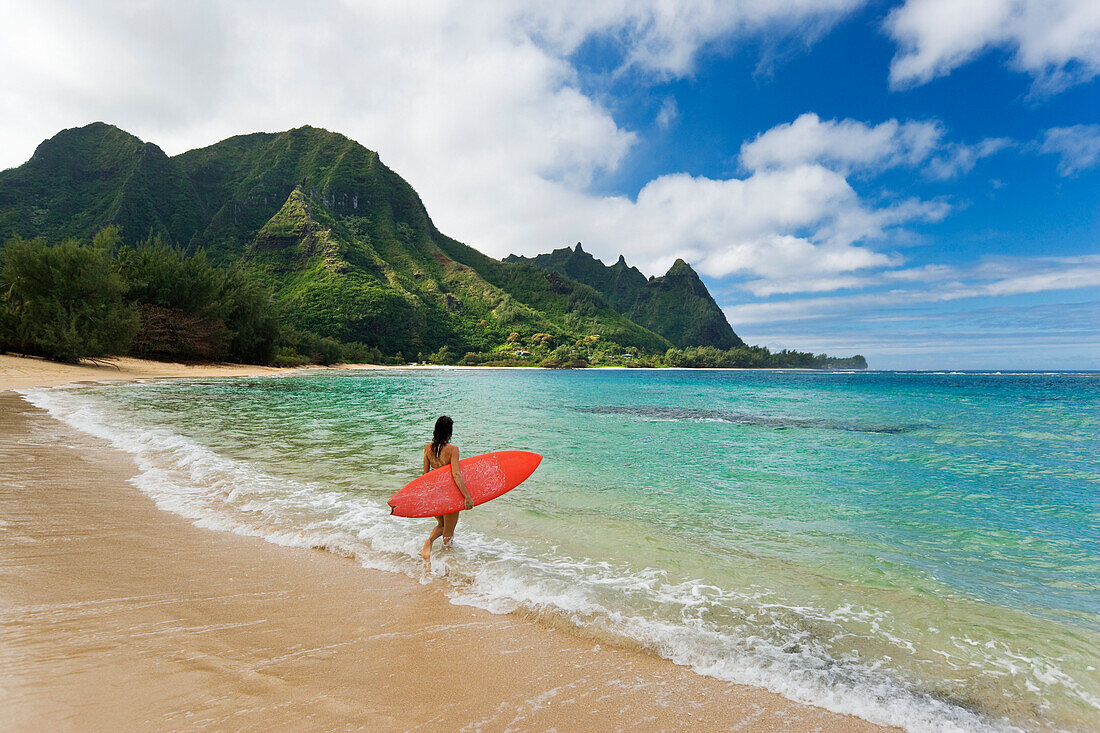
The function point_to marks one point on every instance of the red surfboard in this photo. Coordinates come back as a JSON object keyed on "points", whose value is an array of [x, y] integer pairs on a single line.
{"points": [[487, 476]]}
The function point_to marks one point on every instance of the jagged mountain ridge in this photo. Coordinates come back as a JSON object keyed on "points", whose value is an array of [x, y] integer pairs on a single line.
{"points": [[345, 243], [676, 305]]}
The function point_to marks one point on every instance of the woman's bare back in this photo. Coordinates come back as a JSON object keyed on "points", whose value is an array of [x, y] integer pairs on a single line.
{"points": [[442, 459]]}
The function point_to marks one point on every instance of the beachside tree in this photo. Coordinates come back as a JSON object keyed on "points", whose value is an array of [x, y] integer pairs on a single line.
{"points": [[192, 310], [63, 302]]}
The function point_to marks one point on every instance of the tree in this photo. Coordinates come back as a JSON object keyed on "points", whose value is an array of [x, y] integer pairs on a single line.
{"points": [[249, 315], [64, 302], [443, 356], [192, 310]]}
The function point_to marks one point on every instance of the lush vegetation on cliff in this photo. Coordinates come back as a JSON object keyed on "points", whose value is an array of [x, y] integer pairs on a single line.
{"points": [[676, 305]]}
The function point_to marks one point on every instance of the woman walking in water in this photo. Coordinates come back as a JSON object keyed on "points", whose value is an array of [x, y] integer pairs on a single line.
{"points": [[437, 454]]}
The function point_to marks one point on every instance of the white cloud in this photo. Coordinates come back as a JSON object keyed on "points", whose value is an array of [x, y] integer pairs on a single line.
{"points": [[668, 113], [1078, 147], [1055, 41], [959, 158], [854, 146], [842, 144], [778, 226], [781, 226]]}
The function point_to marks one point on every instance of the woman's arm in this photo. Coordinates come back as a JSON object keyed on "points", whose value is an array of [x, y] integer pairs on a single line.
{"points": [[427, 463], [456, 472]]}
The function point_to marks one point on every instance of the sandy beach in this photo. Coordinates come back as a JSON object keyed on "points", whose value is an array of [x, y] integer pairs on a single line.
{"points": [[20, 372], [116, 615]]}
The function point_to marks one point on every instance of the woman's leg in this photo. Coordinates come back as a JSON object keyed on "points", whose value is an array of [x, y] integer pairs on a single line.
{"points": [[437, 530], [449, 523]]}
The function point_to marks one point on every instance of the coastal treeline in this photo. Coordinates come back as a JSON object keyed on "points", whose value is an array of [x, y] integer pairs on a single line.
{"points": [[592, 352], [77, 300]]}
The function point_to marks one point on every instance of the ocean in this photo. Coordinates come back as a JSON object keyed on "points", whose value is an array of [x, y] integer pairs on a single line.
{"points": [[917, 549]]}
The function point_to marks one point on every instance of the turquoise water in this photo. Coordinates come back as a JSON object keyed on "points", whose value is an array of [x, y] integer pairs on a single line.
{"points": [[917, 549]]}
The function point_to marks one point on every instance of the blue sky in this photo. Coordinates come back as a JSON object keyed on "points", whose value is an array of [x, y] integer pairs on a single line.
{"points": [[1014, 203], [914, 180]]}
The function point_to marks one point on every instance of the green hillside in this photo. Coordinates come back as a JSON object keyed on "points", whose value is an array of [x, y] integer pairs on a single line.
{"points": [[677, 306]]}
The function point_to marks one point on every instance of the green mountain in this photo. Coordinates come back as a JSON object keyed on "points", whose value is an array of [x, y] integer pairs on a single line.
{"points": [[345, 243], [84, 179], [677, 305]]}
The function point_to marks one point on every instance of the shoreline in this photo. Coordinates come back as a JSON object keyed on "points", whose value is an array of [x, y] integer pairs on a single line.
{"points": [[21, 372], [119, 614]]}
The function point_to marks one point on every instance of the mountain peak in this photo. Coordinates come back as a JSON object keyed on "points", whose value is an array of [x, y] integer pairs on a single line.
{"points": [[99, 127], [85, 178], [680, 268], [68, 143], [310, 131]]}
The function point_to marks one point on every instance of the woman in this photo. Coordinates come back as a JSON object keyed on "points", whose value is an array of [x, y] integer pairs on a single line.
{"points": [[437, 454]]}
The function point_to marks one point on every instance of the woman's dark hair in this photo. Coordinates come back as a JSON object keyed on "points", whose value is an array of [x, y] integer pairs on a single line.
{"points": [[442, 435]]}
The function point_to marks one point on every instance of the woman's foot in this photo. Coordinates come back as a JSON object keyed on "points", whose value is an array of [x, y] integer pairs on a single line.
{"points": [[426, 552]]}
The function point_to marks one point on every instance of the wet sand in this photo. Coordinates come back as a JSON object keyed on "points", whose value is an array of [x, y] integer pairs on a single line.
{"points": [[18, 372], [116, 615]]}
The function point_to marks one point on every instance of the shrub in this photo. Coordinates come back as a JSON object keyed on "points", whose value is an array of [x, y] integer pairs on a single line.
{"points": [[443, 356], [286, 356], [360, 353], [171, 334]]}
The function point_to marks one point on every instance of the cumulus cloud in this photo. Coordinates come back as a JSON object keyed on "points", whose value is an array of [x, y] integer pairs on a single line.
{"points": [[1078, 147], [1057, 42], [778, 228], [854, 146], [842, 144], [782, 225]]}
